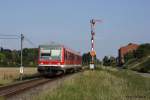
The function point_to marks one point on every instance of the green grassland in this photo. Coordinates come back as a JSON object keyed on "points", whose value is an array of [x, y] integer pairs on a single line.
{"points": [[102, 84]]}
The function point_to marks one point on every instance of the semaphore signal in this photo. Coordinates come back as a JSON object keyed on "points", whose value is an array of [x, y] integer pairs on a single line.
{"points": [[93, 52]]}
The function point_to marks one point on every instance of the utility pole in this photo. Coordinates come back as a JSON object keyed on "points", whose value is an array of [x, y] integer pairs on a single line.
{"points": [[21, 66], [93, 52]]}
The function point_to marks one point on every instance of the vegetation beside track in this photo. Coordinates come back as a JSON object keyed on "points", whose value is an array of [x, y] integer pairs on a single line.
{"points": [[139, 60], [9, 75], [102, 84]]}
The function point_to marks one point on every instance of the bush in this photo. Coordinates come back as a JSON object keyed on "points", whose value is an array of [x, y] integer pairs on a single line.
{"points": [[143, 50]]}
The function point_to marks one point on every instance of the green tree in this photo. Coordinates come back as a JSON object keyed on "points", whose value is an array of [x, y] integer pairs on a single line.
{"points": [[86, 58], [12, 57], [2, 59], [109, 61], [129, 56], [143, 50], [30, 56], [112, 61], [106, 61]]}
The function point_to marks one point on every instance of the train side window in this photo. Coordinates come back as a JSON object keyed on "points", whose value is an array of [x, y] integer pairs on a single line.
{"points": [[66, 54]]}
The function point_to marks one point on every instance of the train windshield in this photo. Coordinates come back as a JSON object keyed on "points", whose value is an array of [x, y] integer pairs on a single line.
{"points": [[52, 54], [56, 54], [45, 56]]}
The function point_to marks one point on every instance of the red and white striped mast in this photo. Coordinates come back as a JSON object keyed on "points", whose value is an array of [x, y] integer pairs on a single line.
{"points": [[93, 53]]}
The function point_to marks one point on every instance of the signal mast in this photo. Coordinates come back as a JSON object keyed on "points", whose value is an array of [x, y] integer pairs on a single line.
{"points": [[93, 52]]}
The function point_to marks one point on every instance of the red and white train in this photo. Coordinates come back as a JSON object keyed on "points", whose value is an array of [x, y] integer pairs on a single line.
{"points": [[56, 58]]}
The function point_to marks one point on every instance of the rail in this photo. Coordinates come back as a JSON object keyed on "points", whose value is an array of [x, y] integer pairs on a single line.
{"points": [[18, 87]]}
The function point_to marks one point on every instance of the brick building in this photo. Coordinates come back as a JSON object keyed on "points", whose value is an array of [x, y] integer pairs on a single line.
{"points": [[124, 50]]}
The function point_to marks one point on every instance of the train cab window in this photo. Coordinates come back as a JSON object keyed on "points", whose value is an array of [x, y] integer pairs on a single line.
{"points": [[50, 54], [45, 55], [56, 54]]}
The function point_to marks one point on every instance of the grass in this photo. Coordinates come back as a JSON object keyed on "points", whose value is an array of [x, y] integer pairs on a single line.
{"points": [[9, 75], [144, 66], [2, 98], [141, 65], [102, 84]]}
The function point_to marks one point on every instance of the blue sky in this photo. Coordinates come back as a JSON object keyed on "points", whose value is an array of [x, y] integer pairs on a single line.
{"points": [[68, 22]]}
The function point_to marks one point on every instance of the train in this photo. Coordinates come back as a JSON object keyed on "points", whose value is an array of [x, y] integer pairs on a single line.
{"points": [[56, 58]]}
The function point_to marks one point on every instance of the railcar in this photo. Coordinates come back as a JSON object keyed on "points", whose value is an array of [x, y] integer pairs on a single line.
{"points": [[56, 58]]}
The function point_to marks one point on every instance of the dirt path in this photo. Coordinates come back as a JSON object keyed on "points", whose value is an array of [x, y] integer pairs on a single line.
{"points": [[143, 74], [139, 73]]}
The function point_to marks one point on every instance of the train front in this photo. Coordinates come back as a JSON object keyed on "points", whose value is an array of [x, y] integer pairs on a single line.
{"points": [[50, 59]]}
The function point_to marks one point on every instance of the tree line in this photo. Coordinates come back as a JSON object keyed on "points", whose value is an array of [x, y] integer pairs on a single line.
{"points": [[11, 58]]}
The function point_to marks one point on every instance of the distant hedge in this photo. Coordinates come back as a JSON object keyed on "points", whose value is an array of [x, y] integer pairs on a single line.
{"points": [[11, 58]]}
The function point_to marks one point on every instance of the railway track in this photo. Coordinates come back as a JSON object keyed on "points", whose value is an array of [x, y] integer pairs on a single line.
{"points": [[15, 89], [7, 91]]}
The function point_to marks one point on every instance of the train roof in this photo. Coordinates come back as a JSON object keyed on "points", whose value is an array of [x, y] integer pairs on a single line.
{"points": [[51, 45], [60, 46]]}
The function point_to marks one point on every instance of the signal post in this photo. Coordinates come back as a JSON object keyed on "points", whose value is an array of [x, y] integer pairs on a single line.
{"points": [[93, 52], [21, 66]]}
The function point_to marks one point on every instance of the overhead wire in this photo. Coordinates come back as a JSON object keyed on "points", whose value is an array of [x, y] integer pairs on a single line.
{"points": [[9, 38], [14, 36], [9, 35], [29, 41]]}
